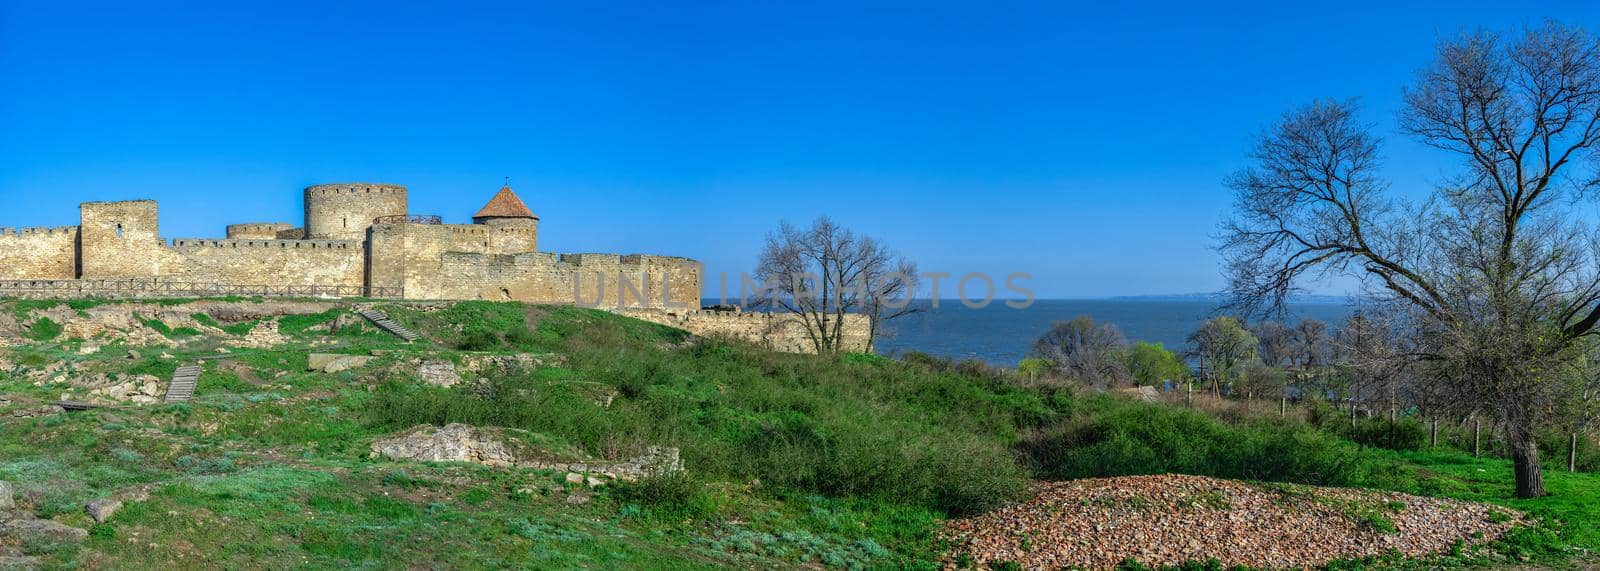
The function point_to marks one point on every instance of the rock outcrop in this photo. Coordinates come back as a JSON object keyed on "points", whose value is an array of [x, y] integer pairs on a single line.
{"points": [[333, 363], [453, 443], [463, 443]]}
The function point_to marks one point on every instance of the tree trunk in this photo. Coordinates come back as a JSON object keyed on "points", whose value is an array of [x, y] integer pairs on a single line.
{"points": [[1433, 434], [1572, 452], [1525, 460]]}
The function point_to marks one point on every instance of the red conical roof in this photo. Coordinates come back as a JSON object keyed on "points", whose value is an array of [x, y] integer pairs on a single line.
{"points": [[505, 204]]}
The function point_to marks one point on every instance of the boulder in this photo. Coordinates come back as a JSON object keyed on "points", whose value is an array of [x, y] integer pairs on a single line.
{"points": [[102, 509], [18, 562], [7, 496], [29, 531], [438, 372], [453, 443]]}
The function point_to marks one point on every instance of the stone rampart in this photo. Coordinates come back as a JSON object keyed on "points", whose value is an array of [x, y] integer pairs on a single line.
{"points": [[39, 253], [775, 331]]}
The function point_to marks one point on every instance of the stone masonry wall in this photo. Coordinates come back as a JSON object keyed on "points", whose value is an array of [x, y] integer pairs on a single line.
{"points": [[270, 262], [259, 230], [448, 262], [774, 331], [39, 253], [121, 239]]}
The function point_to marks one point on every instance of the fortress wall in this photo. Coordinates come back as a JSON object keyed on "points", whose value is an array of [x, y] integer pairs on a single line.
{"points": [[774, 331], [39, 253], [269, 262], [121, 239], [514, 239], [258, 230], [345, 211], [455, 262]]}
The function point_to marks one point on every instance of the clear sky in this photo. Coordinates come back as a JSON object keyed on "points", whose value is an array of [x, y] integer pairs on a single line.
{"points": [[1082, 143]]}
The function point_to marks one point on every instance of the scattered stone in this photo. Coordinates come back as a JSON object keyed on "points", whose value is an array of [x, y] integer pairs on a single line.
{"points": [[579, 497], [133, 355], [333, 362], [264, 335], [593, 482], [102, 509], [7, 496], [1167, 520], [574, 478]]}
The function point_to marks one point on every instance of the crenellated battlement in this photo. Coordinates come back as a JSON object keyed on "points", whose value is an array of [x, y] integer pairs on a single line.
{"points": [[37, 230], [280, 244], [355, 188]]}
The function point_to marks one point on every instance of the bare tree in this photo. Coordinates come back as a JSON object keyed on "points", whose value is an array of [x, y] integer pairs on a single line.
{"points": [[1502, 285], [820, 274], [1311, 355], [1086, 351]]}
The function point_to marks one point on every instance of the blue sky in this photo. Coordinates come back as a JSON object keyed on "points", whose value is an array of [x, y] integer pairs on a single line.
{"points": [[1083, 144]]}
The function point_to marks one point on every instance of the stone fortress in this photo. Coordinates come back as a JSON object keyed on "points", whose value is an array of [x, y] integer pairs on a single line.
{"points": [[359, 240]]}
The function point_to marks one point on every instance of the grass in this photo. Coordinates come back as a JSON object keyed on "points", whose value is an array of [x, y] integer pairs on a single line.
{"points": [[850, 462]]}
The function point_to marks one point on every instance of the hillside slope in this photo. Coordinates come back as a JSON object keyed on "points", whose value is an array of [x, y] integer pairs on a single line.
{"points": [[558, 437]]}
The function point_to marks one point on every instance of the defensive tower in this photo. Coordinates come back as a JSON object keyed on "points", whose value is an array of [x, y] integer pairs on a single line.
{"points": [[516, 229], [344, 211]]}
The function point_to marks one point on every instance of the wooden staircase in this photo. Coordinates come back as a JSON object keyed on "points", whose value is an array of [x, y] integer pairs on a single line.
{"points": [[383, 322], [181, 389]]}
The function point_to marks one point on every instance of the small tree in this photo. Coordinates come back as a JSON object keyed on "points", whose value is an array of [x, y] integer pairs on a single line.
{"points": [[823, 273], [1085, 351], [1223, 346], [1150, 364]]}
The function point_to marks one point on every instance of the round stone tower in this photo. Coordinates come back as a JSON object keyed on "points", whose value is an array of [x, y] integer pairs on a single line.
{"points": [[258, 230], [344, 211]]}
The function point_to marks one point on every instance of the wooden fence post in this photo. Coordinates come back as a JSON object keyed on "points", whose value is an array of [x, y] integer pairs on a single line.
{"points": [[1477, 438], [1433, 433]]}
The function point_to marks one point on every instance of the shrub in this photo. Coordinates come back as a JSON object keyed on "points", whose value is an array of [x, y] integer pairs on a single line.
{"points": [[670, 497], [1117, 438], [1381, 433], [44, 329]]}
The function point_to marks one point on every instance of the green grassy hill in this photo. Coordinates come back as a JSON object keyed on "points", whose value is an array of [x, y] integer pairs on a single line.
{"points": [[849, 462]]}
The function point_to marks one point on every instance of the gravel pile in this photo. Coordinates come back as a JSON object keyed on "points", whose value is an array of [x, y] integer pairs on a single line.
{"points": [[1170, 519]]}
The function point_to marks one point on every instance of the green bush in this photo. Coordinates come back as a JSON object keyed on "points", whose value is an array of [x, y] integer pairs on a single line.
{"points": [[670, 497], [1381, 433], [1117, 437], [44, 329]]}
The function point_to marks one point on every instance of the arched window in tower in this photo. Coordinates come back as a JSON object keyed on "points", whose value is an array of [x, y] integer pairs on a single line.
{"points": [[119, 230], [346, 223]]}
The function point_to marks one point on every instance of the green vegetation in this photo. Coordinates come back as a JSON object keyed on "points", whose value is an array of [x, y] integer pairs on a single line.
{"points": [[44, 329], [850, 461]]}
